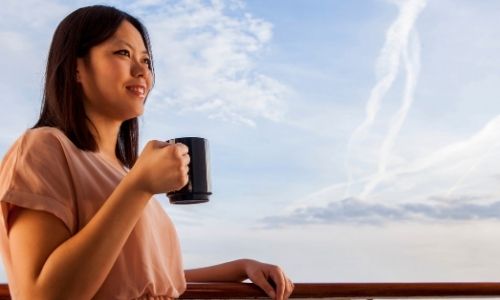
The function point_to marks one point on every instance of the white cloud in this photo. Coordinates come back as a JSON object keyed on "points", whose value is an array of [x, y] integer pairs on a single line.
{"points": [[204, 59]]}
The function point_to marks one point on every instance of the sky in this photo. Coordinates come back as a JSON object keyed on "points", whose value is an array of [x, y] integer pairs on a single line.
{"points": [[350, 141]]}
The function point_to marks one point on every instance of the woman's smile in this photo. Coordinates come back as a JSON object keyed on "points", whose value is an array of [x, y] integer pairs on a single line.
{"points": [[137, 90]]}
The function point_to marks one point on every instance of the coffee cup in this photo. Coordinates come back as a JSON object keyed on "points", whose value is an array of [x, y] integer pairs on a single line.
{"points": [[199, 187]]}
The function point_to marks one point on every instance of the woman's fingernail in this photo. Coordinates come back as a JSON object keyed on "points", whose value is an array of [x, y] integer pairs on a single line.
{"points": [[273, 295]]}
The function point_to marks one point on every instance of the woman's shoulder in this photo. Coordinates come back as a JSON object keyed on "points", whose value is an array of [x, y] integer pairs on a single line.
{"points": [[44, 141], [43, 132], [34, 146], [44, 137]]}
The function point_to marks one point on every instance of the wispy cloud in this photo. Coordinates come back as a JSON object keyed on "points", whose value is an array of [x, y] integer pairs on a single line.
{"points": [[397, 47], [456, 166], [451, 172], [205, 55], [411, 58]]}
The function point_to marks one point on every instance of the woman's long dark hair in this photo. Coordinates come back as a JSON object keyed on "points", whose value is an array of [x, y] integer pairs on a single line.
{"points": [[62, 103]]}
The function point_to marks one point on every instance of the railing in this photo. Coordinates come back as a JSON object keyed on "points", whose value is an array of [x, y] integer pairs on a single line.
{"points": [[336, 290], [347, 290], [4, 292]]}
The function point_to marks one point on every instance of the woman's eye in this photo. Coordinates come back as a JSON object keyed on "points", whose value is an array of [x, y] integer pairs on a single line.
{"points": [[147, 61], [123, 52]]}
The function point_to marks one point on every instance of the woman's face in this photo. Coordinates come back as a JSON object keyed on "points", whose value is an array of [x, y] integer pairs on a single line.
{"points": [[116, 77]]}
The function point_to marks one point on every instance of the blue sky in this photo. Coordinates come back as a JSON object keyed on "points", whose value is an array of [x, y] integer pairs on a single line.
{"points": [[350, 140]]}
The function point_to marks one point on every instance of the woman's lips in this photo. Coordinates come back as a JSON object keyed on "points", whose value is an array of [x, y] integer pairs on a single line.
{"points": [[137, 90]]}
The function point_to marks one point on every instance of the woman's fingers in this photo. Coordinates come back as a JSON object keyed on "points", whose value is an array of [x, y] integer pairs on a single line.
{"points": [[289, 288], [279, 279], [264, 275], [262, 282]]}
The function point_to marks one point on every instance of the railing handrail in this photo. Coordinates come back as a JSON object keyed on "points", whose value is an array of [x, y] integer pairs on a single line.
{"points": [[348, 290], [336, 290]]}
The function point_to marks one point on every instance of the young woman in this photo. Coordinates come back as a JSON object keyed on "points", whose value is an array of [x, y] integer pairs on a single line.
{"points": [[79, 220]]}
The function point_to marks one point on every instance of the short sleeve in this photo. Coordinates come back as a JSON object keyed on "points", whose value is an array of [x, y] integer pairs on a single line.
{"points": [[34, 174]]}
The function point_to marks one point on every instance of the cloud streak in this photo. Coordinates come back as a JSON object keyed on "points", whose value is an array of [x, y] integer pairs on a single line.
{"points": [[448, 175], [396, 47], [411, 58]]}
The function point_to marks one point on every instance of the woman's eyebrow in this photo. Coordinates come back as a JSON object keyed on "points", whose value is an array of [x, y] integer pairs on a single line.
{"points": [[129, 45]]}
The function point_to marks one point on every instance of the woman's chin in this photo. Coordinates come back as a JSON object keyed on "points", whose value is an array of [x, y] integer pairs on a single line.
{"points": [[135, 114]]}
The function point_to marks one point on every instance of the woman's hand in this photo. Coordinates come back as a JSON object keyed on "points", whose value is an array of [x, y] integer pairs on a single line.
{"points": [[271, 279], [263, 275], [161, 167]]}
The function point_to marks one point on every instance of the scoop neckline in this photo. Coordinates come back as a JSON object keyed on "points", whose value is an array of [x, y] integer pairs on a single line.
{"points": [[123, 169]]}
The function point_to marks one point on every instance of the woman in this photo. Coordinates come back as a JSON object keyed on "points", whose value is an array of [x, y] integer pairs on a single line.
{"points": [[78, 217]]}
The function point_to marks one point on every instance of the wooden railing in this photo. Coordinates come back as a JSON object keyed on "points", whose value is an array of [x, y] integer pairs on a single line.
{"points": [[4, 292], [337, 290], [347, 290]]}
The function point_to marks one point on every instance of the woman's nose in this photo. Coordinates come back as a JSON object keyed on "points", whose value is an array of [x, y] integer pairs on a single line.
{"points": [[139, 69]]}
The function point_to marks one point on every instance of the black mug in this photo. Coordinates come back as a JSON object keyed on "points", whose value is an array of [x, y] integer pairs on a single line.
{"points": [[199, 187]]}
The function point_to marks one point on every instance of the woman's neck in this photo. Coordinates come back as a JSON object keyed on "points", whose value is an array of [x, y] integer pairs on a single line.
{"points": [[106, 136]]}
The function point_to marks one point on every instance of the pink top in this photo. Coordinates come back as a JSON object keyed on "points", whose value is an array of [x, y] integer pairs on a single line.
{"points": [[45, 171]]}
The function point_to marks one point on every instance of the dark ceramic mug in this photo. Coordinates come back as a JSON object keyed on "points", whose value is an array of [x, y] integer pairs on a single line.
{"points": [[199, 187]]}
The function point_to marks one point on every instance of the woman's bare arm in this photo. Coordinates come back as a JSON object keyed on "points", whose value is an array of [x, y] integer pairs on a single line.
{"points": [[49, 264], [230, 271]]}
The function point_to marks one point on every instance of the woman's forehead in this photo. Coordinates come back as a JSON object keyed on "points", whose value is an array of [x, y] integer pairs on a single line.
{"points": [[128, 35]]}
